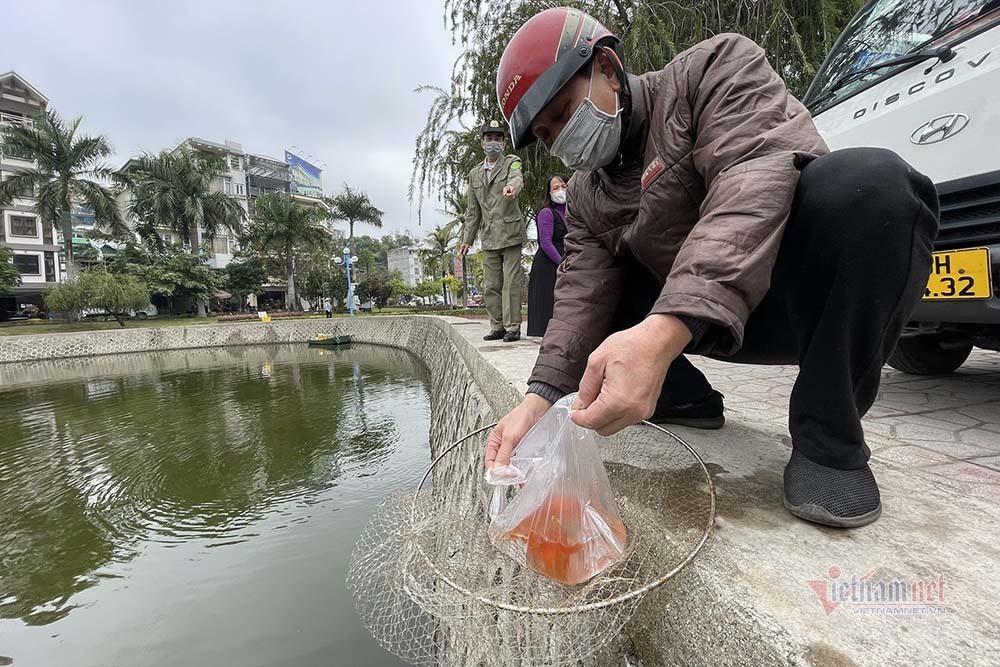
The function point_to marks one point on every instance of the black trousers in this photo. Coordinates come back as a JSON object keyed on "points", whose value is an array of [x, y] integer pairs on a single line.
{"points": [[853, 261]]}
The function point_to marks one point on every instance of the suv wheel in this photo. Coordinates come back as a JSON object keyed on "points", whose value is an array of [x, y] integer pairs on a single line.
{"points": [[930, 354], [141, 315]]}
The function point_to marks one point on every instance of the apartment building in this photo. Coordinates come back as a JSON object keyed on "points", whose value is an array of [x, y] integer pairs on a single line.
{"points": [[35, 245], [406, 261], [232, 181]]}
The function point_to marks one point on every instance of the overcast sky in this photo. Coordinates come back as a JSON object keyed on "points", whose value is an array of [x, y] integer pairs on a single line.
{"points": [[334, 79]]}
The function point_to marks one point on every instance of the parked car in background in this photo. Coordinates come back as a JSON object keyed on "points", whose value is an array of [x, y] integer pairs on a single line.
{"points": [[922, 78]]}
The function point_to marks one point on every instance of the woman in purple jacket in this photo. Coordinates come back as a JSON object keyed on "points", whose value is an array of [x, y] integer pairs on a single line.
{"points": [[551, 223]]}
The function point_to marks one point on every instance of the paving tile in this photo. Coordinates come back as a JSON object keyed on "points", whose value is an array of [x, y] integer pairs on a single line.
{"points": [[916, 432], [981, 437]]}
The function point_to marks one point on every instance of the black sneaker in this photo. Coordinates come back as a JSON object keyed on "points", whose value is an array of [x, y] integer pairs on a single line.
{"points": [[495, 335], [707, 413], [512, 336], [831, 496]]}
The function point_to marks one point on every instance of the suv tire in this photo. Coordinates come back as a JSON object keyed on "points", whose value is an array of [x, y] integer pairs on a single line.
{"points": [[930, 354]]}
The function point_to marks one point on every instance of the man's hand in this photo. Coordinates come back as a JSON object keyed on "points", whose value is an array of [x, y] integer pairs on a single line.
{"points": [[509, 192], [506, 435], [625, 374], [464, 250]]}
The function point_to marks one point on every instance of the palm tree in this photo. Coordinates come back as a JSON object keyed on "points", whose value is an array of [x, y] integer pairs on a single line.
{"points": [[441, 243], [353, 206], [68, 169], [172, 190], [282, 225], [456, 207]]}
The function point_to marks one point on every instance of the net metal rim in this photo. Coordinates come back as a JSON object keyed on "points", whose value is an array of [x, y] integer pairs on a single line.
{"points": [[618, 599]]}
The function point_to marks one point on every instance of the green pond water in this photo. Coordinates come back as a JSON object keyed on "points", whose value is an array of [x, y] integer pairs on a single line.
{"points": [[198, 507]]}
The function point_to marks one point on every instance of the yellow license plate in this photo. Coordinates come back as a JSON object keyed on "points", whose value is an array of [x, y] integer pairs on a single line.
{"points": [[960, 274]]}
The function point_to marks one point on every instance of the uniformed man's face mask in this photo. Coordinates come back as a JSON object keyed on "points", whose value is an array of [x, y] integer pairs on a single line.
{"points": [[493, 148], [591, 137]]}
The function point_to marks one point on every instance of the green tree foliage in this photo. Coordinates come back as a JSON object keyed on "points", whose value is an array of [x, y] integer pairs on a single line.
{"points": [[172, 190], [380, 286], [99, 288], [169, 271], [244, 277], [283, 227], [367, 261], [69, 168], [353, 206], [453, 284], [380, 247], [325, 282], [795, 33], [10, 277], [427, 289], [439, 249]]}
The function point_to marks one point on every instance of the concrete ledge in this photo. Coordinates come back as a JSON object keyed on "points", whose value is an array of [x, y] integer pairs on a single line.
{"points": [[754, 595]]}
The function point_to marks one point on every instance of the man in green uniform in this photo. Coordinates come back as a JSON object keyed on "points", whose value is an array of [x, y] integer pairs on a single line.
{"points": [[494, 215]]}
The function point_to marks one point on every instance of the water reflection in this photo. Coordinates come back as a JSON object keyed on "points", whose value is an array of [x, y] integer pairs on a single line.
{"points": [[107, 459]]}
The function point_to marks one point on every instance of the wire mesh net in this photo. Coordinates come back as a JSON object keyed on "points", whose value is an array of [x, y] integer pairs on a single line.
{"points": [[433, 589]]}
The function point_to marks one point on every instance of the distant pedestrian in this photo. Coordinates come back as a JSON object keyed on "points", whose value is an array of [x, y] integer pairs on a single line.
{"points": [[328, 308], [551, 224]]}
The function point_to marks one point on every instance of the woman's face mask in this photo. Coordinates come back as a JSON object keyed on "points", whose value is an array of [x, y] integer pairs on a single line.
{"points": [[591, 137], [558, 196]]}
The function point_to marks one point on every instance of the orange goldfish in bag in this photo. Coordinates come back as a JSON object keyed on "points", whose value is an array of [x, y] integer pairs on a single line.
{"points": [[564, 519]]}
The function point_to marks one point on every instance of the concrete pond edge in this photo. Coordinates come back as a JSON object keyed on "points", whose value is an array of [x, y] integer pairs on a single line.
{"points": [[698, 620]]}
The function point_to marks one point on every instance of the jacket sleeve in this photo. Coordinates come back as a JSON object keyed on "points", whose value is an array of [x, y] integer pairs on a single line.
{"points": [[515, 176], [473, 216], [747, 129], [546, 226], [588, 288]]}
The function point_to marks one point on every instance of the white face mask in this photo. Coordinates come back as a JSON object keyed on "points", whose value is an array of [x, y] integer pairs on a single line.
{"points": [[591, 137], [493, 149], [558, 196]]}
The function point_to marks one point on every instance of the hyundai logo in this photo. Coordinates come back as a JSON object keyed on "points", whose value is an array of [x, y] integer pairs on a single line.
{"points": [[939, 129]]}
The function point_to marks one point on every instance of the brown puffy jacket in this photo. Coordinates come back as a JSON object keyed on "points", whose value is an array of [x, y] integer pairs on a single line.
{"points": [[701, 198]]}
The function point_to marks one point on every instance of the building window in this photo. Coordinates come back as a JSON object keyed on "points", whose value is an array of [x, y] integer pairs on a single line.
{"points": [[50, 267], [167, 238], [46, 234], [27, 265], [234, 162], [227, 185], [23, 226], [239, 189], [220, 245]]}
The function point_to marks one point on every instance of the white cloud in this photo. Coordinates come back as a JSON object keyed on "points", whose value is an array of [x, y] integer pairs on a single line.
{"points": [[332, 78]]}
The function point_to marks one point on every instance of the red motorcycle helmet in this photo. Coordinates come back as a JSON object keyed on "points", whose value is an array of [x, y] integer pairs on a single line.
{"points": [[544, 54]]}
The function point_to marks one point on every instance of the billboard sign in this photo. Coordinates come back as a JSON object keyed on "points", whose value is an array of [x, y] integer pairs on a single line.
{"points": [[307, 179]]}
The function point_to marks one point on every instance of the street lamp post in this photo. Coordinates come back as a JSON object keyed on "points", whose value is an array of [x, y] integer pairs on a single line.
{"points": [[347, 260]]}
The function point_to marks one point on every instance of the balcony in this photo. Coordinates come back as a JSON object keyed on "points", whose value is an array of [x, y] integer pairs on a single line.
{"points": [[11, 119]]}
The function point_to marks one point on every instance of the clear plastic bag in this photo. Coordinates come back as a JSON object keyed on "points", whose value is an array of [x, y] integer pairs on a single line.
{"points": [[563, 522]]}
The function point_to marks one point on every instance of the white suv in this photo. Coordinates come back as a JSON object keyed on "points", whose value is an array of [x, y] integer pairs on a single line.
{"points": [[922, 78]]}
